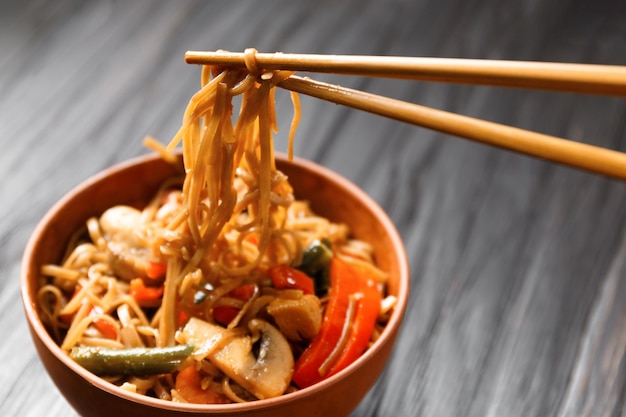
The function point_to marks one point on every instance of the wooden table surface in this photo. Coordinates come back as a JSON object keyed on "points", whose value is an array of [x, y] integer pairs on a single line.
{"points": [[518, 265]]}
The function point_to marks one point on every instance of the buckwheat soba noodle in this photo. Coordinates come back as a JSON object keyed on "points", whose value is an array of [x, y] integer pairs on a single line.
{"points": [[223, 288]]}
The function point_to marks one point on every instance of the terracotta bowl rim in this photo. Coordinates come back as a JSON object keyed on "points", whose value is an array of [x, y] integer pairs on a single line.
{"points": [[42, 334]]}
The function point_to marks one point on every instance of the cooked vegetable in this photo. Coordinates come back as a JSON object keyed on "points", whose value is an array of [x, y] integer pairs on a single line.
{"points": [[133, 361], [189, 386], [349, 319], [265, 372], [286, 277], [315, 263], [368, 305], [106, 327], [225, 314], [146, 296], [156, 270]]}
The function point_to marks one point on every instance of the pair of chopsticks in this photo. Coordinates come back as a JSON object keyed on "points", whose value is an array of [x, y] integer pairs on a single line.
{"points": [[578, 78]]}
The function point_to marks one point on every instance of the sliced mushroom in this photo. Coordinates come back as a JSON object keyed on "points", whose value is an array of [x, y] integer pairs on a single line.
{"points": [[297, 318], [265, 374]]}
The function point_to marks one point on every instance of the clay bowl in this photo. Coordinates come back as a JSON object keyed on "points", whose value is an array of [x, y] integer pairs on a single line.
{"points": [[133, 182]]}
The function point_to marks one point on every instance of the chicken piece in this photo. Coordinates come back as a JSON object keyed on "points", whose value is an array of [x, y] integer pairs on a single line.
{"points": [[299, 318], [121, 226]]}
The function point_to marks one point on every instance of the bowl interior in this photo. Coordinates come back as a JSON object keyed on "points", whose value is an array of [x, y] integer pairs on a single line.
{"points": [[134, 182]]}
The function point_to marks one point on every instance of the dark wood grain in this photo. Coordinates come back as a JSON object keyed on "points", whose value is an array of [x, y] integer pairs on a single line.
{"points": [[517, 264]]}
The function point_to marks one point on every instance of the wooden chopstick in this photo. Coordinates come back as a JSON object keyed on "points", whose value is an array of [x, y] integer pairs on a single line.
{"points": [[579, 155], [556, 76], [582, 78]]}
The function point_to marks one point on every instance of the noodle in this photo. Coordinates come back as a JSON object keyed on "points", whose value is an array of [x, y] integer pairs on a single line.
{"points": [[295, 99], [203, 245]]}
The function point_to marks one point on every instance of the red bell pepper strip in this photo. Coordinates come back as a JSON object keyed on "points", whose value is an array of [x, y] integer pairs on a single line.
{"points": [[105, 327], [286, 277], [226, 314], [183, 317], [367, 310], [108, 329], [68, 318], [145, 296], [156, 270], [242, 292], [346, 281], [189, 386], [252, 238]]}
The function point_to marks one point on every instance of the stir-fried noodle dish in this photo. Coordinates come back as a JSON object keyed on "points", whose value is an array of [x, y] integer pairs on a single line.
{"points": [[223, 288]]}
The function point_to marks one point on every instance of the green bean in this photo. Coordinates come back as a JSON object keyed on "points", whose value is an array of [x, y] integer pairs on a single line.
{"points": [[131, 361], [315, 261]]}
